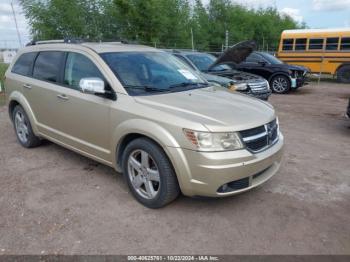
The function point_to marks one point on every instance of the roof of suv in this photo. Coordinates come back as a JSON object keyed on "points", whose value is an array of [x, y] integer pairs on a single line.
{"points": [[103, 47]]}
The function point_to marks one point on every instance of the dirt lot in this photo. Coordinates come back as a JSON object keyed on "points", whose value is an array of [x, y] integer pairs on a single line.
{"points": [[55, 201]]}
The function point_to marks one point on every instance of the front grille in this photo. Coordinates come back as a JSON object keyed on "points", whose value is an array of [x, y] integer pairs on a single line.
{"points": [[260, 138], [259, 86]]}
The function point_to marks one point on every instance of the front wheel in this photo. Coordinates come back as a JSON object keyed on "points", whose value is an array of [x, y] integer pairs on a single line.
{"points": [[149, 173], [280, 84]]}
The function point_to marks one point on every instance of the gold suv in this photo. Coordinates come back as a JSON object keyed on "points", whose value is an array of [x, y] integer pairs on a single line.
{"points": [[146, 114]]}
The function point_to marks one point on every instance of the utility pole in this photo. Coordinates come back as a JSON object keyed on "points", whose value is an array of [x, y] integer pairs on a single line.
{"points": [[226, 39], [14, 17], [192, 40]]}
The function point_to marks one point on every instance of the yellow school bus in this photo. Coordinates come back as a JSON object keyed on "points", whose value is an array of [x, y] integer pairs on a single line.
{"points": [[325, 51]]}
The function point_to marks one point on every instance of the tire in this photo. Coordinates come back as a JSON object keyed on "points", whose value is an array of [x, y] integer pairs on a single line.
{"points": [[343, 74], [280, 84], [142, 160], [23, 128]]}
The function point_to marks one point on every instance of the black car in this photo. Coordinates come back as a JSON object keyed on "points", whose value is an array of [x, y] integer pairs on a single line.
{"points": [[216, 71], [282, 77]]}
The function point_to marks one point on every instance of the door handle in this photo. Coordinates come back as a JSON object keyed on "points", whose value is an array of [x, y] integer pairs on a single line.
{"points": [[27, 86], [63, 97]]}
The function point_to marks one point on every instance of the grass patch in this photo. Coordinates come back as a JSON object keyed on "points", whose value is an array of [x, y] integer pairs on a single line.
{"points": [[3, 68]]}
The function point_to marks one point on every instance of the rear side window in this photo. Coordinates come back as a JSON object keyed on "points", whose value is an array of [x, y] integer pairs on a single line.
{"points": [[345, 43], [47, 66], [287, 44], [24, 64], [316, 44], [300, 44], [77, 67]]}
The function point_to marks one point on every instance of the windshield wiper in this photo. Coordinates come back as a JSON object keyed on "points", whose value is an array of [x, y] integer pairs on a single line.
{"points": [[146, 88], [187, 84]]}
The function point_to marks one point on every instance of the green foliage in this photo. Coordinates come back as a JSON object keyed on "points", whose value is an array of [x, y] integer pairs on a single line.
{"points": [[3, 68], [163, 23], [57, 19]]}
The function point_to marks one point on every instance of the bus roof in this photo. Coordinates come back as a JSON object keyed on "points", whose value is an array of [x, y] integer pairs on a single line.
{"points": [[311, 31]]}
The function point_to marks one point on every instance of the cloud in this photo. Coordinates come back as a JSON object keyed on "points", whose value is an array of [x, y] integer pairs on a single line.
{"points": [[330, 5], [293, 13]]}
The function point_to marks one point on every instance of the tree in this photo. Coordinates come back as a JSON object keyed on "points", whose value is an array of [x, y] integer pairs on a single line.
{"points": [[161, 23], [53, 19]]}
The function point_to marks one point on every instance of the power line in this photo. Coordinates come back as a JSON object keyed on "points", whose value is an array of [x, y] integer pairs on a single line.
{"points": [[14, 17]]}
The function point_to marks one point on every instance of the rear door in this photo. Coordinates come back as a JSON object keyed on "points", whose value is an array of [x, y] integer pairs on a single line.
{"points": [[41, 89]]}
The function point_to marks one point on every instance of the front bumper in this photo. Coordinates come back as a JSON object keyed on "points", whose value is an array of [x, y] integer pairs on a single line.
{"points": [[261, 95], [204, 173], [298, 82]]}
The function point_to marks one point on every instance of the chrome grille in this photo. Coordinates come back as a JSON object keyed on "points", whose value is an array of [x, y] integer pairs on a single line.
{"points": [[260, 138], [261, 86]]}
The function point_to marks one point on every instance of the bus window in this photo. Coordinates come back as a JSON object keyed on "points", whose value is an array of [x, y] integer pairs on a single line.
{"points": [[316, 43], [332, 43], [345, 43], [300, 44], [287, 44]]}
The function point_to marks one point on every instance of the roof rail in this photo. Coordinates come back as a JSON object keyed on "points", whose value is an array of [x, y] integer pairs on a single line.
{"points": [[57, 41]]}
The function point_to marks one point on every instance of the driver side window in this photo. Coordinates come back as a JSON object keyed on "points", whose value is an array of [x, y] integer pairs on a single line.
{"points": [[253, 58], [77, 67]]}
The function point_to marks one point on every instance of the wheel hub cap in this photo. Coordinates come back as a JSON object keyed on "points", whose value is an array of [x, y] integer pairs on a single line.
{"points": [[143, 174]]}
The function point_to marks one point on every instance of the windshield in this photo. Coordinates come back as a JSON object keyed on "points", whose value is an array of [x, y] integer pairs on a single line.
{"points": [[152, 72], [204, 61], [272, 59]]}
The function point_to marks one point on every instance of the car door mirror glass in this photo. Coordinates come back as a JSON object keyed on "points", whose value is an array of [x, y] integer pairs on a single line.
{"points": [[262, 63], [92, 85]]}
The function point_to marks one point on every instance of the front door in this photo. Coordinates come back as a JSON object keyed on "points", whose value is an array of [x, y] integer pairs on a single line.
{"points": [[83, 120]]}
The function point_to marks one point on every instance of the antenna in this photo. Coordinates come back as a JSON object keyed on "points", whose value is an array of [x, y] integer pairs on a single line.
{"points": [[14, 17]]}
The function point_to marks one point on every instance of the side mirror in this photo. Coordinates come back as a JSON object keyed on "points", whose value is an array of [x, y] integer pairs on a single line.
{"points": [[262, 63], [92, 85]]}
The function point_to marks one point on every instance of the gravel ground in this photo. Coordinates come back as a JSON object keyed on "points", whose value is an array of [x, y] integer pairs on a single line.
{"points": [[55, 201]]}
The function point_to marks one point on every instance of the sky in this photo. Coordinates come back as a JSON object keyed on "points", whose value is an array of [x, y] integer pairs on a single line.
{"points": [[315, 13]]}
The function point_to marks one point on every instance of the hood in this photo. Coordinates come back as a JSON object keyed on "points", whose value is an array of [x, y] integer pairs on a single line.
{"points": [[215, 108], [238, 76], [218, 79], [236, 54]]}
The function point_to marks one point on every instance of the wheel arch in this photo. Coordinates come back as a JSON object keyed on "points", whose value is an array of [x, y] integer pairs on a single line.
{"points": [[136, 128], [279, 73], [340, 66], [16, 98]]}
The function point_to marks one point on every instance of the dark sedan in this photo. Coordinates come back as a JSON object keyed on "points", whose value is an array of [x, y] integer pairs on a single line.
{"points": [[282, 77]]}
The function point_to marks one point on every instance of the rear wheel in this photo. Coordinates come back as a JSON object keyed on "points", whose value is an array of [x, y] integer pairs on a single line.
{"points": [[149, 173], [343, 74], [23, 128], [280, 84]]}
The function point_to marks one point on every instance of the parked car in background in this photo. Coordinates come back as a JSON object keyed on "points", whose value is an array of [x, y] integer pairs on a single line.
{"points": [[324, 51], [145, 113], [224, 75], [282, 77]]}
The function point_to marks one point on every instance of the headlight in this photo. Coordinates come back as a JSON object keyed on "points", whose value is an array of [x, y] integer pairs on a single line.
{"points": [[240, 87], [206, 141]]}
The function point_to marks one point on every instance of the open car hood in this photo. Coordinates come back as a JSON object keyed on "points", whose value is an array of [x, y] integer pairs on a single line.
{"points": [[236, 54]]}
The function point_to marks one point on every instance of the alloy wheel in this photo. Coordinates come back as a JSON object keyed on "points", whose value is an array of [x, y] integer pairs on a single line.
{"points": [[144, 174], [280, 84], [21, 127]]}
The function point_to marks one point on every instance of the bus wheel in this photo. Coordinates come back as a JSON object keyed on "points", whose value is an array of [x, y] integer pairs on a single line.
{"points": [[343, 74]]}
